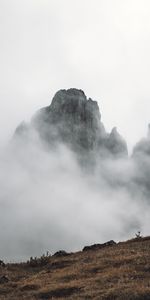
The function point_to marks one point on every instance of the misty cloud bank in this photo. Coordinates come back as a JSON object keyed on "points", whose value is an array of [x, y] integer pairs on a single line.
{"points": [[50, 200]]}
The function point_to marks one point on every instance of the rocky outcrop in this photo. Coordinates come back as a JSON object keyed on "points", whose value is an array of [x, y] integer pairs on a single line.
{"points": [[116, 144], [71, 119], [99, 246], [74, 120]]}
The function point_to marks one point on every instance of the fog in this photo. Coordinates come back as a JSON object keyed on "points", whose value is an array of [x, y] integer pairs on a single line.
{"points": [[49, 202]]}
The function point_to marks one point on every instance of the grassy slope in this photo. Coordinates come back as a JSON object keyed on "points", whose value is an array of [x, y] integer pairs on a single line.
{"points": [[118, 272]]}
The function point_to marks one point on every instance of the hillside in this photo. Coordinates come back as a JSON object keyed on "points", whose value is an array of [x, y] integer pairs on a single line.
{"points": [[115, 271]]}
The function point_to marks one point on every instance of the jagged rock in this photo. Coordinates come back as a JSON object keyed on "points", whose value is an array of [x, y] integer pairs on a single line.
{"points": [[71, 119], [116, 144], [74, 120], [99, 246]]}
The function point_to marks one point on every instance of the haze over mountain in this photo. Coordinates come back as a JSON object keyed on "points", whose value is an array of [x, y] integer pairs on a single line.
{"points": [[66, 182]]}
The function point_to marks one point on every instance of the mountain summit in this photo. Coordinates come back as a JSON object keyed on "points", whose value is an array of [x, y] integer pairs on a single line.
{"points": [[74, 120]]}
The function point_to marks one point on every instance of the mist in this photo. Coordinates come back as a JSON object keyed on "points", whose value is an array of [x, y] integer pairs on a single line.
{"points": [[49, 201]]}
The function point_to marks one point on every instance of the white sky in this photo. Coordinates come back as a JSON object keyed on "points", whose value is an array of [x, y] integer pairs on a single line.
{"points": [[100, 46]]}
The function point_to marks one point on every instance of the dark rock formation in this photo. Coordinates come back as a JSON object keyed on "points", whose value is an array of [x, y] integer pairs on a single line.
{"points": [[61, 253], [116, 144], [71, 119], [99, 246], [74, 120]]}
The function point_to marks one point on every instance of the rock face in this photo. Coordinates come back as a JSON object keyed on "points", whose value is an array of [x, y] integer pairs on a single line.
{"points": [[74, 120], [116, 144], [71, 119]]}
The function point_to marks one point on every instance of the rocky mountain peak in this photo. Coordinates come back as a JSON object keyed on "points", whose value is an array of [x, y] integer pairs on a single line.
{"points": [[74, 120], [74, 102]]}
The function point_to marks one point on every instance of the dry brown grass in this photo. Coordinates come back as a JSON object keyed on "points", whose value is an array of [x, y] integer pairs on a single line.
{"points": [[118, 272]]}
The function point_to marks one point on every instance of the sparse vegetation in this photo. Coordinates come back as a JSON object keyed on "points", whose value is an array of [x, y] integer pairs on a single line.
{"points": [[38, 262], [121, 272]]}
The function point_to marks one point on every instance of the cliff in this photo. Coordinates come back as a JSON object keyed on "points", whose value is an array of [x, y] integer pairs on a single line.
{"points": [[74, 120]]}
